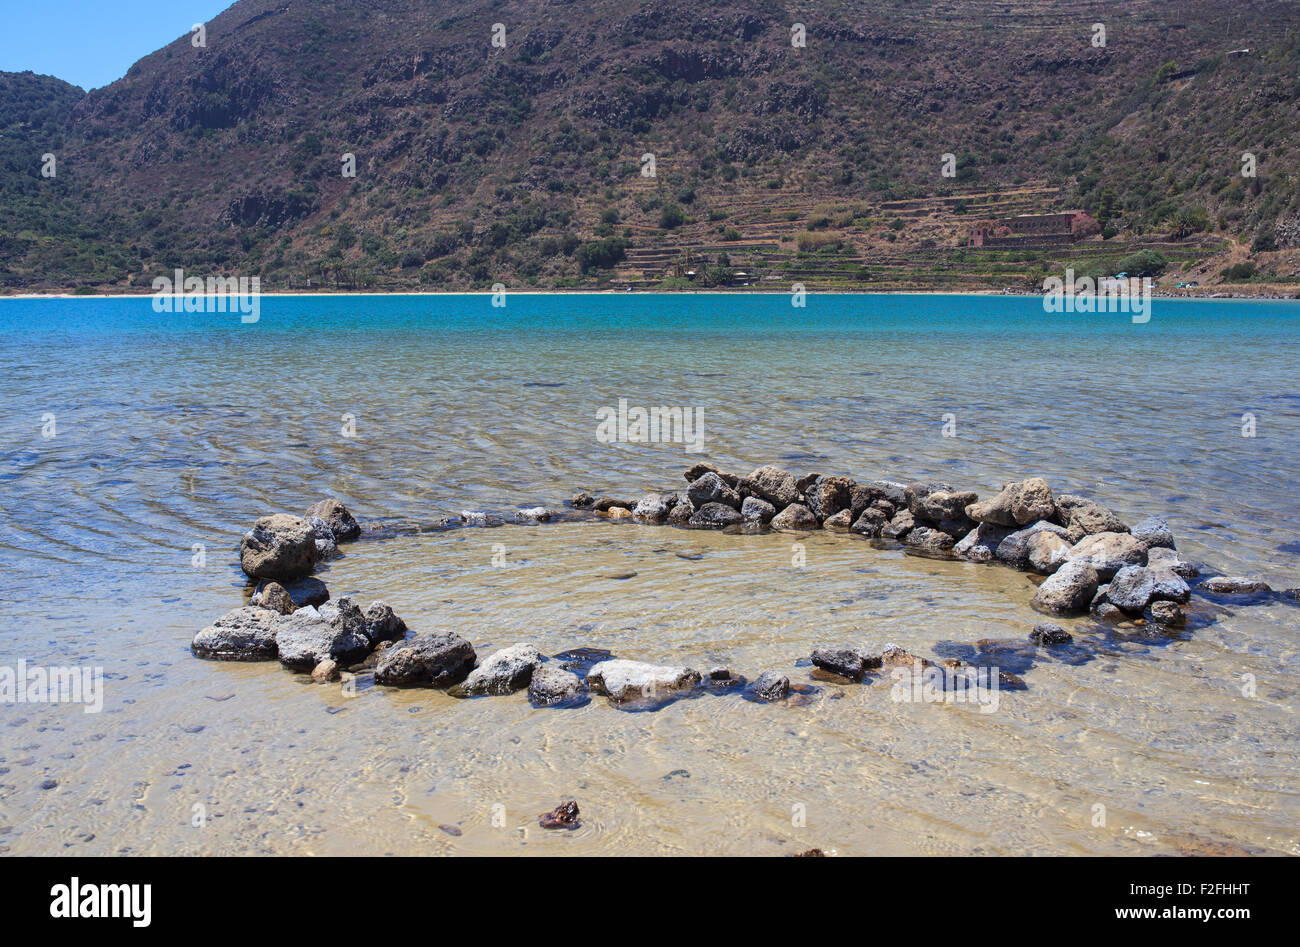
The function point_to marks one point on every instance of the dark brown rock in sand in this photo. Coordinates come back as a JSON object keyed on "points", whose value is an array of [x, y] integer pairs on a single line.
{"points": [[563, 816]]}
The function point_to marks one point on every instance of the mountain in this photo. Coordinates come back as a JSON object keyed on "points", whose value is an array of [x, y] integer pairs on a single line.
{"points": [[523, 164]]}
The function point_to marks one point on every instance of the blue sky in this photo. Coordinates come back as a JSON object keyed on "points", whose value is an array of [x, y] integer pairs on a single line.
{"points": [[91, 43]]}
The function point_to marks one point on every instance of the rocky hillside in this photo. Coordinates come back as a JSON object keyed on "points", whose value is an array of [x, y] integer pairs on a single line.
{"points": [[523, 164]]}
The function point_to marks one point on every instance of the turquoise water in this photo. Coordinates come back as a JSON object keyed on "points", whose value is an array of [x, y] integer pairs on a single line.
{"points": [[176, 430]]}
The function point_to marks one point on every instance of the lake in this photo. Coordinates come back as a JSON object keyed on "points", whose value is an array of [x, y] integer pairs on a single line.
{"points": [[138, 446]]}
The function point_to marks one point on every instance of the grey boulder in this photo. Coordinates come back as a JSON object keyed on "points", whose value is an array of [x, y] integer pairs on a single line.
{"points": [[1085, 517], [826, 496], [981, 544], [925, 539], [382, 624], [622, 680], [552, 685], [943, 505], [871, 523], [1131, 589], [1047, 551], [755, 510], [1018, 504], [795, 518], [774, 485], [279, 547], [770, 686], [245, 634], [308, 636], [1154, 532], [506, 671], [715, 516], [1014, 549], [711, 488], [1109, 552], [898, 527], [435, 659], [1235, 585], [651, 508], [1068, 590], [341, 522]]}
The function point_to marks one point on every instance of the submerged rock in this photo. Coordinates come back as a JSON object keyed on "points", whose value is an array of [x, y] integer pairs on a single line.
{"points": [[343, 525], [1048, 634], [533, 515], [1070, 589], [1166, 614], [279, 547], [622, 680], [895, 657], [508, 670], [245, 634], [1235, 585], [435, 659]]}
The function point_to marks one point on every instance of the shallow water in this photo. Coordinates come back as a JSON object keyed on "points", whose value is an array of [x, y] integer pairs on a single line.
{"points": [[174, 430]]}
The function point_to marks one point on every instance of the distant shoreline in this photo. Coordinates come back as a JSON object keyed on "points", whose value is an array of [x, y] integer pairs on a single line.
{"points": [[1290, 294]]}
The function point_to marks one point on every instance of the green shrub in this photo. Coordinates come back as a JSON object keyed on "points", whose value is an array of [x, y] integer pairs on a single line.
{"points": [[671, 217]]}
